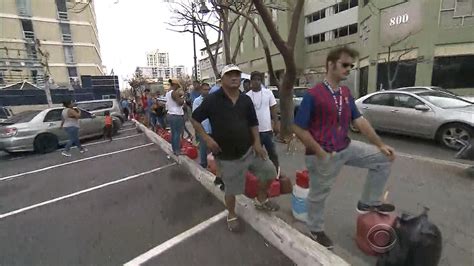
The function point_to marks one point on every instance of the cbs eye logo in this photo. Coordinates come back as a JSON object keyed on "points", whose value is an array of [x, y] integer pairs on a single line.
{"points": [[381, 238]]}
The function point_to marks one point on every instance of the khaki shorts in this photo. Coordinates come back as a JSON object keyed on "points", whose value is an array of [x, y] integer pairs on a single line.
{"points": [[233, 171]]}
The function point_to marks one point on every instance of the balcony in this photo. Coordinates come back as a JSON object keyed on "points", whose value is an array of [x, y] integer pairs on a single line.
{"points": [[29, 35], [67, 38], [62, 15]]}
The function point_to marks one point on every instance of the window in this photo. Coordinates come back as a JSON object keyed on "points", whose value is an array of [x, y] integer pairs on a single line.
{"points": [[62, 9], [380, 99], [69, 54], [354, 3], [53, 115], [66, 32], [31, 50], [353, 29], [453, 72], [343, 31], [320, 14], [24, 7], [85, 115], [28, 32], [406, 101], [72, 71], [343, 6]]}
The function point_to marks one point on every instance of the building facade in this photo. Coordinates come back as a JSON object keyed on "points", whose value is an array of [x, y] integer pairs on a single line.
{"points": [[205, 71], [157, 59], [53, 38], [401, 42], [158, 67], [416, 43]]}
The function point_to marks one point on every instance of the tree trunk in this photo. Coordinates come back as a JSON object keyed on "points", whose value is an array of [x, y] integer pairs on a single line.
{"points": [[226, 36]]}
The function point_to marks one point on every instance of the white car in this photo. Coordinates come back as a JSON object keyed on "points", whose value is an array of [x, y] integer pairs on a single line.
{"points": [[5, 113], [434, 88], [424, 113]]}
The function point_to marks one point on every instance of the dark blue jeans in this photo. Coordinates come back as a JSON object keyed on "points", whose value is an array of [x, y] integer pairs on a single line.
{"points": [[267, 141], [176, 125], [73, 133]]}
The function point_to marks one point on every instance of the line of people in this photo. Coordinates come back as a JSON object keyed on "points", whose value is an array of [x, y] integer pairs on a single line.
{"points": [[238, 128]]}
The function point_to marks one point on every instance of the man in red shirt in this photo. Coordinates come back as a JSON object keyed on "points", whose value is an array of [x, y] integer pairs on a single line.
{"points": [[322, 124]]}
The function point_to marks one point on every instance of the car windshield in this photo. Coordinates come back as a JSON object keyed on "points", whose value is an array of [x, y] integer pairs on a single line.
{"points": [[22, 117], [444, 100], [299, 92], [3, 113]]}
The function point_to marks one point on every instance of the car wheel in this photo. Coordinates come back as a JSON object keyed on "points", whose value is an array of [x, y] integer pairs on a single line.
{"points": [[46, 143], [452, 135]]}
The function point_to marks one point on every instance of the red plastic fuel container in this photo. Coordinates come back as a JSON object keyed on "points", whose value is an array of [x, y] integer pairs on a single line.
{"points": [[251, 185], [375, 233], [274, 189]]}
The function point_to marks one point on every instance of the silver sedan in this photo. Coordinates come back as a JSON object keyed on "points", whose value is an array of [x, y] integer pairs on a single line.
{"points": [[41, 131], [426, 114]]}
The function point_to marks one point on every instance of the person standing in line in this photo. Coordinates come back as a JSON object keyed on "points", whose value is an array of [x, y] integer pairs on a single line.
{"points": [[266, 108], [160, 113], [235, 142], [196, 92], [205, 124], [174, 105], [70, 123], [108, 125], [246, 85], [322, 125], [154, 114], [125, 108]]}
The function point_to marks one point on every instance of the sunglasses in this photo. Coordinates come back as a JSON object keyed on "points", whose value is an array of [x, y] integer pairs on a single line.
{"points": [[347, 65]]}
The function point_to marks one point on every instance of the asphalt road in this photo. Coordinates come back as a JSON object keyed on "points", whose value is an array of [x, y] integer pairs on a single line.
{"points": [[113, 204], [430, 179]]}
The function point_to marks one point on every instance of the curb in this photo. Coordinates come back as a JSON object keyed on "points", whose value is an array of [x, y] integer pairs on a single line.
{"points": [[295, 245]]}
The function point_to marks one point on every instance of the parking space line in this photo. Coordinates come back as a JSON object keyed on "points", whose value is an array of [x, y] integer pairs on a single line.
{"points": [[104, 141], [175, 240], [433, 160], [128, 129], [8, 214], [73, 162]]}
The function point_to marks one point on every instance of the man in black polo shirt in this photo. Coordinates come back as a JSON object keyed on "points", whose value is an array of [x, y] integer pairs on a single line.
{"points": [[235, 142]]}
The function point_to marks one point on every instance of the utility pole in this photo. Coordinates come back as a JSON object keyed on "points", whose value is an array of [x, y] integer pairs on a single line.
{"points": [[194, 41]]}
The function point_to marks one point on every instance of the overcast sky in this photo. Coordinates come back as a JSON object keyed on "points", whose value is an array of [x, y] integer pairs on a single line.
{"points": [[130, 28]]}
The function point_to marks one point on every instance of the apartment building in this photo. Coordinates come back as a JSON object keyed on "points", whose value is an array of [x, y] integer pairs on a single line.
{"points": [[54, 38], [158, 67]]}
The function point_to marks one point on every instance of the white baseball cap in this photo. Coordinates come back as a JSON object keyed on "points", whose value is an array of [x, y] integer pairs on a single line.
{"points": [[229, 68]]}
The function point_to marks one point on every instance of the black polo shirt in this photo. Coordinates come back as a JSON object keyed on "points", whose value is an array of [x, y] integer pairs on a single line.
{"points": [[231, 124]]}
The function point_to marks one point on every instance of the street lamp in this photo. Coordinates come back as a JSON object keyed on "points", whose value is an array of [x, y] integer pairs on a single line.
{"points": [[202, 10]]}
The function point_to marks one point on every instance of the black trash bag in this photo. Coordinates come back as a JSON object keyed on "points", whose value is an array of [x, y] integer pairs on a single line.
{"points": [[419, 243]]}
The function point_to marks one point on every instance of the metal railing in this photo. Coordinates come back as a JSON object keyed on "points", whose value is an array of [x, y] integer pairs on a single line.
{"points": [[30, 35]]}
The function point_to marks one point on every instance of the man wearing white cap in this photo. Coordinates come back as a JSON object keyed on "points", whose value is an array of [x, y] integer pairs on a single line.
{"points": [[235, 142]]}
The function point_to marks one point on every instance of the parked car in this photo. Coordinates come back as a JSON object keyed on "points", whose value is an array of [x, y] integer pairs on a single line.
{"points": [[41, 131], [425, 113], [98, 107], [434, 88], [5, 113], [298, 93]]}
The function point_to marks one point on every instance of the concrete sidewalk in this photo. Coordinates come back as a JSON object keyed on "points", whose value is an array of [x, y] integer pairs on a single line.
{"points": [[295, 245]]}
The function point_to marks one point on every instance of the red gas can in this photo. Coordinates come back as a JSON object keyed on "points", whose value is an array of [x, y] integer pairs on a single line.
{"points": [[302, 178], [190, 151], [167, 136], [274, 189], [375, 233], [251, 185]]}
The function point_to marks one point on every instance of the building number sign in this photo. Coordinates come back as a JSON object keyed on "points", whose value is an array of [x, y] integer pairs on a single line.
{"points": [[398, 20]]}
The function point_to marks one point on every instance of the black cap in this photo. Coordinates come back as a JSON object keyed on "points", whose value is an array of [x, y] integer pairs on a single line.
{"points": [[255, 74]]}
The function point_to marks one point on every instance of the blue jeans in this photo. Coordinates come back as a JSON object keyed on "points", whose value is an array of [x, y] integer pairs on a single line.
{"points": [[267, 141], [323, 172], [161, 121], [176, 125], [202, 151], [73, 133]]}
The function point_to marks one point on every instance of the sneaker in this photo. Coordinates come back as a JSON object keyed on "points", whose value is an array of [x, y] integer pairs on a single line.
{"points": [[322, 239], [384, 208], [267, 205], [65, 153], [83, 150]]}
